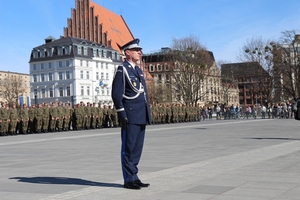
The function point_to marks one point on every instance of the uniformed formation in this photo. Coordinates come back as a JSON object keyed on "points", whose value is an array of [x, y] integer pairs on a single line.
{"points": [[174, 113], [56, 117]]}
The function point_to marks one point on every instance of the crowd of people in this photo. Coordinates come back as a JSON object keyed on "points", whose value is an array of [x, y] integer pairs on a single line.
{"points": [[56, 117]]}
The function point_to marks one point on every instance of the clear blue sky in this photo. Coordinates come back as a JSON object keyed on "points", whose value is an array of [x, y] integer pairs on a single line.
{"points": [[223, 26]]}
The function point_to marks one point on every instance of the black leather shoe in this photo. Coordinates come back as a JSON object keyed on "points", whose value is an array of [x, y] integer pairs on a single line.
{"points": [[142, 184], [132, 185]]}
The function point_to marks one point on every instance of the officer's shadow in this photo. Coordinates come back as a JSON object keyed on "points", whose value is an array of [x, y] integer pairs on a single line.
{"points": [[64, 181]]}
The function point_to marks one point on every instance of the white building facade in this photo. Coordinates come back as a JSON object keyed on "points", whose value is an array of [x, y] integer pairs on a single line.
{"points": [[72, 70]]}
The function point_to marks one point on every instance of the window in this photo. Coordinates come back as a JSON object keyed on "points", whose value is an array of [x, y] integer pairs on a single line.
{"points": [[166, 67], [50, 76], [88, 90], [67, 50], [67, 75], [151, 68], [85, 51], [42, 77], [87, 63], [59, 63], [35, 92], [34, 66], [106, 66], [102, 75], [81, 63], [49, 65], [102, 64], [97, 64], [106, 76], [82, 90], [43, 93], [34, 78], [79, 50], [97, 75], [94, 52], [81, 74], [61, 91], [87, 75], [42, 65], [50, 92], [158, 67], [67, 63], [102, 91], [60, 75], [68, 91]]}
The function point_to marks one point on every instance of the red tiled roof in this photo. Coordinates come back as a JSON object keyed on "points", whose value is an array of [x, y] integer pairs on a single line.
{"points": [[114, 25]]}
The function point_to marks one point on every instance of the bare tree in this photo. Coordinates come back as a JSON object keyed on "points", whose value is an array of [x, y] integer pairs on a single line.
{"points": [[159, 93], [12, 88], [260, 51], [287, 65], [191, 59]]}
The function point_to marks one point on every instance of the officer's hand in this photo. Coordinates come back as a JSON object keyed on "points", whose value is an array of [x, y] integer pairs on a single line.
{"points": [[124, 122], [122, 115]]}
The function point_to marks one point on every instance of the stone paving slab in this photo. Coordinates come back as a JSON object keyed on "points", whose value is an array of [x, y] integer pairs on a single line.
{"points": [[225, 159]]}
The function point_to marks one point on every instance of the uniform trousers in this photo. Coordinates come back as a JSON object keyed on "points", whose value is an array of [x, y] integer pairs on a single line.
{"points": [[132, 147]]}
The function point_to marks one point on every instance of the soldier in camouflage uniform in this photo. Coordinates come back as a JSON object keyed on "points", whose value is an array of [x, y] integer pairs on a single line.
{"points": [[94, 116], [54, 117], [31, 121], [24, 117], [13, 119], [67, 117], [174, 111], [39, 112], [87, 116], [100, 115], [78, 117], [114, 117], [168, 114], [46, 118], [163, 113], [61, 116], [3, 119]]}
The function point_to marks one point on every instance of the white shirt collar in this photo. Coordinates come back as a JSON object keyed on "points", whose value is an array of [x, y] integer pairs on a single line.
{"points": [[131, 64]]}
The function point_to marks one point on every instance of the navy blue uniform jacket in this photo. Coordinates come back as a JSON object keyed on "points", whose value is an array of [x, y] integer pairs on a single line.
{"points": [[135, 106]]}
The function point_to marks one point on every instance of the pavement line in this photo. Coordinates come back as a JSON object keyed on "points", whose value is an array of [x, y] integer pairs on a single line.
{"points": [[114, 133], [187, 176]]}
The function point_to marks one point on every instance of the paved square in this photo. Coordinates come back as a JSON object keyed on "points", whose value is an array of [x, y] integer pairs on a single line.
{"points": [[224, 159]]}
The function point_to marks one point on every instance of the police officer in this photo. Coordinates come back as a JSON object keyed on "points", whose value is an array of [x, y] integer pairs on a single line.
{"points": [[130, 97]]}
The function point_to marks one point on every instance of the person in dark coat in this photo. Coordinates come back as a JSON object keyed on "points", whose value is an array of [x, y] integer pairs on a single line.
{"points": [[130, 97]]}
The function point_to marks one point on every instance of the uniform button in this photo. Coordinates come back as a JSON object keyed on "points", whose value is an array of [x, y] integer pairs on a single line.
{"points": [[130, 108]]}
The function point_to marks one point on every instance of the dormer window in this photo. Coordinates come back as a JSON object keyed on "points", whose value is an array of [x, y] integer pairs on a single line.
{"points": [[158, 67], [166, 67]]}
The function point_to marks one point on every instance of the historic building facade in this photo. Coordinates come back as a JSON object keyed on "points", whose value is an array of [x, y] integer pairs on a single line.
{"points": [[13, 85], [212, 89], [80, 65], [72, 70], [252, 80]]}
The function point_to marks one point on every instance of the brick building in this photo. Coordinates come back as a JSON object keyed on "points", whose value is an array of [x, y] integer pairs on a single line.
{"points": [[251, 79]]}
